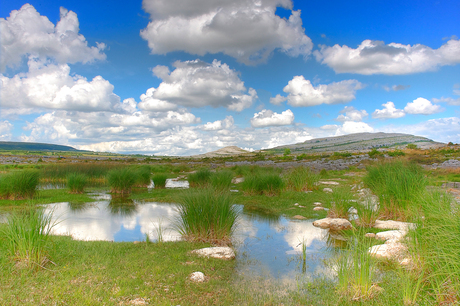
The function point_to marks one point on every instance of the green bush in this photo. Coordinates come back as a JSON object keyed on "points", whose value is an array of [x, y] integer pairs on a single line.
{"points": [[19, 185], [396, 153], [122, 180], [374, 153], [206, 215], [77, 182]]}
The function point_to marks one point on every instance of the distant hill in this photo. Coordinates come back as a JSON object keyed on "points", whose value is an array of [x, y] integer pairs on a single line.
{"points": [[227, 151], [33, 146], [358, 142]]}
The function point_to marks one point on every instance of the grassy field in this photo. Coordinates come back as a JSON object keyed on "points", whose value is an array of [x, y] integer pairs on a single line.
{"points": [[107, 273]]}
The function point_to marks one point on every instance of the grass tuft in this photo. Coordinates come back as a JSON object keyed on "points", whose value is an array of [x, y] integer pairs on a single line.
{"points": [[19, 185], [159, 180], [200, 178], [121, 180], [77, 182], [301, 179]]}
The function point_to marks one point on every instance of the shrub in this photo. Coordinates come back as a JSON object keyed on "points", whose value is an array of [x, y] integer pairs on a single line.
{"points": [[27, 235], [412, 146], [159, 180], [206, 215], [19, 185], [76, 182], [341, 154], [200, 178], [396, 153], [121, 180], [374, 153]]}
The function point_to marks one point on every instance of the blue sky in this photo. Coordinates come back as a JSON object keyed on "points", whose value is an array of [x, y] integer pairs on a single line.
{"points": [[174, 77]]}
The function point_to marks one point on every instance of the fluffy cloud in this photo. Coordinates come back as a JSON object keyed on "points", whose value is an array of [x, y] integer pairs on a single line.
{"points": [[277, 100], [197, 84], [302, 93], [448, 100], [389, 112], [26, 32], [219, 124], [248, 30], [442, 129], [269, 118], [48, 86], [421, 106], [349, 113], [5, 130], [351, 127], [374, 57]]}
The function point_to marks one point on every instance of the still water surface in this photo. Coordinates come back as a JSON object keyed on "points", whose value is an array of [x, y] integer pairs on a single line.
{"points": [[267, 246]]}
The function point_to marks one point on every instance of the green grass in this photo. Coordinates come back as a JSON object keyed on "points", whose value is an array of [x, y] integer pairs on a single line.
{"points": [[26, 236], [122, 180], [143, 175], [19, 185], [340, 201], [206, 215], [266, 183], [77, 182]]}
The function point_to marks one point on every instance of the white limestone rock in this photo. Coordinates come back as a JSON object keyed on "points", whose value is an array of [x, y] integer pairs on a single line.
{"points": [[395, 225], [328, 190], [390, 250], [334, 224], [395, 235], [216, 252], [197, 277]]}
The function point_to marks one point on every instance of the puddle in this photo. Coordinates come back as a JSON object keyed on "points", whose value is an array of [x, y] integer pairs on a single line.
{"points": [[51, 186], [172, 183], [267, 246]]}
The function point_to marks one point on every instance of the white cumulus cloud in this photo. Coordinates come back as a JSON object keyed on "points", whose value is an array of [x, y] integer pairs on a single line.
{"points": [[421, 106], [49, 86], [26, 32], [218, 124], [302, 93], [375, 57], [389, 112], [349, 113], [248, 30], [198, 84], [5, 130], [351, 127], [270, 118]]}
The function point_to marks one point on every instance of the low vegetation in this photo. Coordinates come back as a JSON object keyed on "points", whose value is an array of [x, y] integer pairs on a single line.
{"points": [[122, 180], [19, 185], [77, 182]]}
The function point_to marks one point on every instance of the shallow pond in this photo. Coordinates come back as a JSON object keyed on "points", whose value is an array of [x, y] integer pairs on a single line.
{"points": [[266, 246]]}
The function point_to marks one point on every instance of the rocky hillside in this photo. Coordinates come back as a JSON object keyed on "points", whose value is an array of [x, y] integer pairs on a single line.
{"points": [[360, 142], [227, 151]]}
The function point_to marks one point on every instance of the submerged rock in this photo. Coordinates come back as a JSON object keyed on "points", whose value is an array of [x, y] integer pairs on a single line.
{"points": [[216, 252], [334, 224], [299, 217]]}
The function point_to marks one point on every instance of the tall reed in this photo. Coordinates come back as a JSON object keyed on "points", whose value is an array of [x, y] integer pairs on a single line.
{"points": [[221, 179], [301, 179], [397, 184], [200, 178], [143, 175], [27, 235], [159, 180], [77, 182], [206, 215], [19, 185], [122, 180]]}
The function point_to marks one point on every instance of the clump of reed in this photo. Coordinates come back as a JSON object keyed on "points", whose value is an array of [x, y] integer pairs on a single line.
{"points": [[398, 185], [121, 180], [206, 215], [356, 269], [341, 200], [143, 175], [27, 235], [221, 179], [199, 178], [436, 244], [159, 180], [263, 183], [77, 182], [19, 185], [301, 179]]}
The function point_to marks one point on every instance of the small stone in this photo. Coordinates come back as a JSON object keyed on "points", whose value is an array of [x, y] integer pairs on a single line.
{"points": [[138, 301], [136, 242], [300, 206], [370, 235], [197, 277], [296, 204], [396, 225], [299, 217], [395, 235], [318, 208], [328, 183], [328, 190], [318, 204], [389, 250]]}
